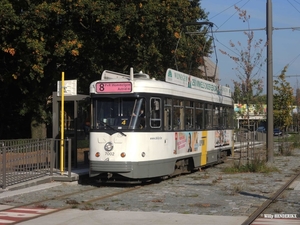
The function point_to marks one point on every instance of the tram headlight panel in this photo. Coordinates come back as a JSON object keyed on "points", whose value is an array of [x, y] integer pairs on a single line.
{"points": [[108, 146]]}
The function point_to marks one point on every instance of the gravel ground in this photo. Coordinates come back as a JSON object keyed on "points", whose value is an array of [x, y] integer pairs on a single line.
{"points": [[206, 192]]}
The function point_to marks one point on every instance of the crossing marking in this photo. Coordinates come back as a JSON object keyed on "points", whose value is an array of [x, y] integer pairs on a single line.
{"points": [[15, 215]]}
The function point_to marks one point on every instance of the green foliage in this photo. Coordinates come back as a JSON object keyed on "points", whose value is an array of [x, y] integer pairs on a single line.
{"points": [[253, 166], [283, 100], [294, 138], [191, 51], [40, 39]]}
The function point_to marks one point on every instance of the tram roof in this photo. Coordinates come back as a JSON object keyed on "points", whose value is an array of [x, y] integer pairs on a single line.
{"points": [[143, 84], [162, 87]]}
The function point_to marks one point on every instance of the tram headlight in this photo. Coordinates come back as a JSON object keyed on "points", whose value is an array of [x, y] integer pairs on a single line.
{"points": [[123, 154], [97, 154], [108, 146], [143, 154]]}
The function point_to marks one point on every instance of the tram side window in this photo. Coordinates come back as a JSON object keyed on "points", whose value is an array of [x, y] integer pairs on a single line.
{"points": [[224, 117], [229, 118], [222, 122], [168, 114], [216, 116], [208, 116], [155, 118], [189, 115], [199, 111], [178, 114]]}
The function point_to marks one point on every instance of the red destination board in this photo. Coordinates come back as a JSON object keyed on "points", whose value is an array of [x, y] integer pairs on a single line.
{"points": [[113, 87]]}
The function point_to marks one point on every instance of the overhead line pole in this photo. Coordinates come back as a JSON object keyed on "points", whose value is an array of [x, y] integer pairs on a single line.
{"points": [[270, 119]]}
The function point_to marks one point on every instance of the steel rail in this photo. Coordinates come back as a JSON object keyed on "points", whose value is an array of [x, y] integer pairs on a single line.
{"points": [[70, 206], [266, 204]]}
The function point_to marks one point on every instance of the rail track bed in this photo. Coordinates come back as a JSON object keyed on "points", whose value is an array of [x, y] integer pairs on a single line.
{"points": [[206, 192]]}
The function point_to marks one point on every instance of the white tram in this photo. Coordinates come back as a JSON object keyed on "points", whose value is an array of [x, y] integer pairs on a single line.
{"points": [[143, 128]]}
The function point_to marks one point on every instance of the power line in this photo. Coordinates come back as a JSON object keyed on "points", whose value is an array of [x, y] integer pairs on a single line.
{"points": [[224, 11], [232, 14], [243, 30], [293, 6], [287, 28]]}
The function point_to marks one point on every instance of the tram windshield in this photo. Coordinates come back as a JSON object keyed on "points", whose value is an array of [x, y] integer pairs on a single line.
{"points": [[118, 113]]}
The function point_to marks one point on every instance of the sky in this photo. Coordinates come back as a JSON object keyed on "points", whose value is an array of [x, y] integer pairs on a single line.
{"points": [[286, 41]]}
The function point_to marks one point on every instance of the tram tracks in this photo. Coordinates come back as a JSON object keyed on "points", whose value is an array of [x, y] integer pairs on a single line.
{"points": [[69, 201], [271, 200], [204, 192]]}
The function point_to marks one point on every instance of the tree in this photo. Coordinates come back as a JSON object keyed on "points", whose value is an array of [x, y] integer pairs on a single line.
{"points": [[192, 48], [249, 86], [249, 61], [283, 101], [40, 39]]}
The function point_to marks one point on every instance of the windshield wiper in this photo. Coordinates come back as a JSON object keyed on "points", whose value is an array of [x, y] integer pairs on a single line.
{"points": [[105, 124]]}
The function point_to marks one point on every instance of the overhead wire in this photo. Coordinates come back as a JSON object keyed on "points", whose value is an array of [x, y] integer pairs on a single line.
{"points": [[290, 63], [231, 15], [295, 58], [294, 6], [215, 31], [213, 36], [218, 27], [230, 49]]}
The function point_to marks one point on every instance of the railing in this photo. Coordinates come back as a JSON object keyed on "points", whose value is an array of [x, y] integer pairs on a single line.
{"points": [[28, 159]]}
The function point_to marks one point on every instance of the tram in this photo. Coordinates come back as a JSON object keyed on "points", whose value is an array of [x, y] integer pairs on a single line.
{"points": [[144, 128]]}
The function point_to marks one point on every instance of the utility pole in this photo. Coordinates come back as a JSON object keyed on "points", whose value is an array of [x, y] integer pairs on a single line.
{"points": [[270, 119]]}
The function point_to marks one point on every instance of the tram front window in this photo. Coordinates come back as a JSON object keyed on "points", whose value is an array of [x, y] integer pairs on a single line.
{"points": [[119, 113]]}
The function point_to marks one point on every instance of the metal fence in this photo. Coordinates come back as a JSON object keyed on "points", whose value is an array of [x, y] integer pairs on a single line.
{"points": [[27, 159]]}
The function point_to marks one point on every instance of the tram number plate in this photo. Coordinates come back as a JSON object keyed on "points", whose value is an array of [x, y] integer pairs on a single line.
{"points": [[110, 153]]}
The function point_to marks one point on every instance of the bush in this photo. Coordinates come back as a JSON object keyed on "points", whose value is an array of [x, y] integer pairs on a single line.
{"points": [[251, 166]]}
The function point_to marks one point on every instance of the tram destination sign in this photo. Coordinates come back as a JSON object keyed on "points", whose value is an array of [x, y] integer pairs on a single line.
{"points": [[113, 87]]}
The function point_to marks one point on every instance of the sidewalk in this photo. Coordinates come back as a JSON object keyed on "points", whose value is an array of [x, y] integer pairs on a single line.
{"points": [[95, 217]]}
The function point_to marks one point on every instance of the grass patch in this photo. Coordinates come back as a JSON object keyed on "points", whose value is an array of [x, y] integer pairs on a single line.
{"points": [[89, 207], [285, 150], [157, 200], [186, 212], [251, 166], [72, 202], [41, 206], [293, 138], [237, 188]]}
